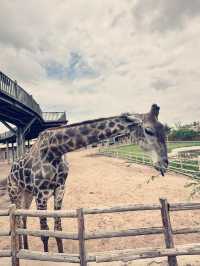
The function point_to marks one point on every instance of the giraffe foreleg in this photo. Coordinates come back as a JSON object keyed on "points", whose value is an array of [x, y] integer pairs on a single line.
{"points": [[42, 205], [25, 237], [58, 199], [28, 197], [19, 225], [16, 198]]}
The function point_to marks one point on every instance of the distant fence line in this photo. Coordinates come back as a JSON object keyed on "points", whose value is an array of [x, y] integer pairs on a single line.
{"points": [[186, 167], [83, 257]]}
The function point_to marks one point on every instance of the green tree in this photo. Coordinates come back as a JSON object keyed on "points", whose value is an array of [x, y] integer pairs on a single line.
{"points": [[183, 134]]}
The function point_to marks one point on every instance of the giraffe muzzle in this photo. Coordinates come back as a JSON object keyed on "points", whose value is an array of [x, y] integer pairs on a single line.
{"points": [[162, 168]]}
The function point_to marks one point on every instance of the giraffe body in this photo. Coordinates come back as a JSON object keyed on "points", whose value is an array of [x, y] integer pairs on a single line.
{"points": [[42, 172]]}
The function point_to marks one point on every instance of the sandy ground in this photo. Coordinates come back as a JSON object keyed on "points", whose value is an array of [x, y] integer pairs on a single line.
{"points": [[96, 181]]}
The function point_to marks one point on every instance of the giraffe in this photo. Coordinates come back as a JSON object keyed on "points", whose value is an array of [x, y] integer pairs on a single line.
{"points": [[42, 172]]}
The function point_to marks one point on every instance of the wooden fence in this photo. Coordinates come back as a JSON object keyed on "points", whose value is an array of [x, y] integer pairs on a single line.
{"points": [[177, 165], [83, 257]]}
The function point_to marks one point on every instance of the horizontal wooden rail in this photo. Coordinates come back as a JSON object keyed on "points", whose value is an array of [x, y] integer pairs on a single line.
{"points": [[49, 233], [48, 256], [103, 234], [142, 207], [184, 231], [5, 253], [124, 233], [138, 232], [4, 212], [136, 254], [40, 213], [122, 208], [4, 232], [184, 206]]}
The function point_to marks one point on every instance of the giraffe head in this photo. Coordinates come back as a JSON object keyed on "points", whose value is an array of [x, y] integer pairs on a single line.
{"points": [[150, 135]]}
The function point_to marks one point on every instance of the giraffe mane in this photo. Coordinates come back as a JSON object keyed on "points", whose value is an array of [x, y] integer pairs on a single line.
{"points": [[82, 123]]}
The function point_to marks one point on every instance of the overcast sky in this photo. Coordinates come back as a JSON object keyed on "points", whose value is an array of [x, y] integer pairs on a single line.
{"points": [[95, 58]]}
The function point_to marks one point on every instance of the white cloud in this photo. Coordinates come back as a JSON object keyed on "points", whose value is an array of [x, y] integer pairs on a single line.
{"points": [[125, 58]]}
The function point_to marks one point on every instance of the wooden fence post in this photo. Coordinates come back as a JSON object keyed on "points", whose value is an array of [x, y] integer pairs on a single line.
{"points": [[172, 260], [81, 237], [13, 236]]}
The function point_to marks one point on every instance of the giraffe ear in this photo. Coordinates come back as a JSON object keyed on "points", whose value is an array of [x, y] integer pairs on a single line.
{"points": [[132, 118]]}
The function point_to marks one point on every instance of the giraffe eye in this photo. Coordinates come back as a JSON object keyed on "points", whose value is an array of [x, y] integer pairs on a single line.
{"points": [[149, 131]]}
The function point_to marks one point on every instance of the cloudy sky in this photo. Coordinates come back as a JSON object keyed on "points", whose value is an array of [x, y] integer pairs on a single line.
{"points": [[96, 58]]}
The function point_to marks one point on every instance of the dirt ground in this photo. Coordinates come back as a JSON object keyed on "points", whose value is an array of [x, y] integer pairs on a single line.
{"points": [[96, 181]]}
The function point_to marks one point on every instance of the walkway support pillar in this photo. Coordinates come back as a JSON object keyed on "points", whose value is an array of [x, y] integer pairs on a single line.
{"points": [[13, 152], [20, 139], [7, 151]]}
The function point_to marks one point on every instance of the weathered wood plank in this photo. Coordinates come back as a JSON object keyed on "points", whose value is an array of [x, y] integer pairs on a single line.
{"points": [[4, 233], [40, 213], [5, 253], [136, 254], [49, 233], [48, 256], [142, 207], [186, 231], [124, 233], [184, 206], [81, 236], [122, 208], [167, 230], [4, 212], [101, 234]]}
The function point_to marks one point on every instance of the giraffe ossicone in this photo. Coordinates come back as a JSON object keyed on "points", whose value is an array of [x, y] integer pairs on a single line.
{"points": [[42, 172]]}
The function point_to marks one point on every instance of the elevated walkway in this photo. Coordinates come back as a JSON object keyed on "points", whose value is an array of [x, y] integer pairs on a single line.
{"points": [[20, 109]]}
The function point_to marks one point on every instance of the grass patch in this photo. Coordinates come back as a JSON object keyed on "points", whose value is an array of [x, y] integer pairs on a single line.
{"points": [[174, 145], [133, 148]]}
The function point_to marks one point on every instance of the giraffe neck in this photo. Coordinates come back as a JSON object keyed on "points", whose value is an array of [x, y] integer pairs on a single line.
{"points": [[75, 136]]}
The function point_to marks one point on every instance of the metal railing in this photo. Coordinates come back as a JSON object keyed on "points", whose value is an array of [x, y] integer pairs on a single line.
{"points": [[12, 89], [54, 116]]}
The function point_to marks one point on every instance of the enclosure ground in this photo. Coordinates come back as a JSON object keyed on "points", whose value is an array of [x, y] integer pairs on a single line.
{"points": [[100, 181]]}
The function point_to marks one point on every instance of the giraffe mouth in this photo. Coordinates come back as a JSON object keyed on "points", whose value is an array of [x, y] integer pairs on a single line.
{"points": [[162, 172], [160, 169]]}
